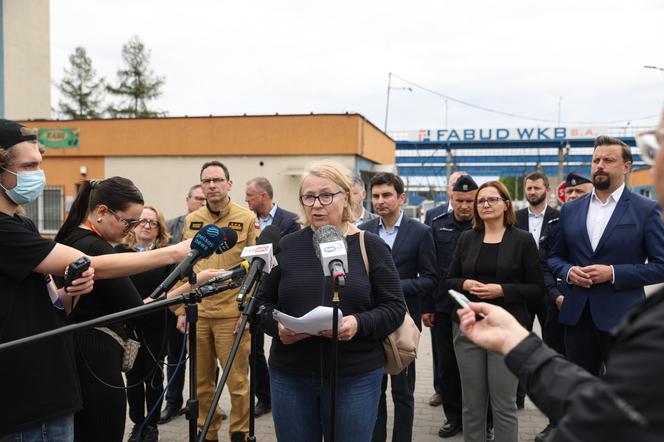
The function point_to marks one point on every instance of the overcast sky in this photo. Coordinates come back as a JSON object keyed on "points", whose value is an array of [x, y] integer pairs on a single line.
{"points": [[266, 57]]}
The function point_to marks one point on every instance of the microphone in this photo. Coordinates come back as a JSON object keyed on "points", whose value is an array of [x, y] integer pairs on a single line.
{"points": [[235, 272], [206, 241], [330, 248], [261, 257]]}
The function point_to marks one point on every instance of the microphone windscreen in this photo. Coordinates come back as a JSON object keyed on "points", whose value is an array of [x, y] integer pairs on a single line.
{"points": [[327, 233], [270, 235], [210, 238]]}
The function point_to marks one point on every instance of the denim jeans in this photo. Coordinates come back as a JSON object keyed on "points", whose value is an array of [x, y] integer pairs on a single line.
{"points": [[60, 429], [301, 406]]}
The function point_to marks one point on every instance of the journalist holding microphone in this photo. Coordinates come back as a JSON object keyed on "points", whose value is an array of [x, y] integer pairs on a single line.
{"points": [[497, 263], [372, 307], [39, 381]]}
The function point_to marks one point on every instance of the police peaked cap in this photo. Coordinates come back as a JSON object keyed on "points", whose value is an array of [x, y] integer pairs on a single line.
{"points": [[574, 179], [465, 183]]}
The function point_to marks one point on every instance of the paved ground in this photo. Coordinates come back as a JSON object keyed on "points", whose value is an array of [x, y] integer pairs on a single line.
{"points": [[427, 419]]}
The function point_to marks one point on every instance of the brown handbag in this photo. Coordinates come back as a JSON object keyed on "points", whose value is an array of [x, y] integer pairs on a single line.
{"points": [[400, 346]]}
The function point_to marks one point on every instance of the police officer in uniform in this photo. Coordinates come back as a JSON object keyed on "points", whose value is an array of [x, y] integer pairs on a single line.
{"points": [[439, 307], [218, 316]]}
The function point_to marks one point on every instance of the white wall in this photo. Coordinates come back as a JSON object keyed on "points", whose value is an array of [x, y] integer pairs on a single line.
{"points": [[27, 60]]}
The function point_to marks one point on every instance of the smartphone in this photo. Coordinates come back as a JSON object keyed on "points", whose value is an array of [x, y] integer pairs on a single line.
{"points": [[463, 302], [76, 269]]}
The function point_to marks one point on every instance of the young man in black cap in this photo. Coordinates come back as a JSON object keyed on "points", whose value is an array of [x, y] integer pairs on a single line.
{"points": [[438, 307]]}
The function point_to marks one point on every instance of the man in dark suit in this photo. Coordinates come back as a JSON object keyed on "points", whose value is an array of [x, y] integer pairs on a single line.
{"points": [[610, 244], [437, 306], [414, 255], [431, 214], [539, 219], [258, 194]]}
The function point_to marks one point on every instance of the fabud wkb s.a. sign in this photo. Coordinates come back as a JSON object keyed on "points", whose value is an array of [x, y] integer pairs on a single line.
{"points": [[65, 138]]}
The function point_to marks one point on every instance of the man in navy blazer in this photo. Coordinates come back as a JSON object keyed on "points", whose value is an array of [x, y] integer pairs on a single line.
{"points": [[414, 254], [610, 244], [258, 194]]}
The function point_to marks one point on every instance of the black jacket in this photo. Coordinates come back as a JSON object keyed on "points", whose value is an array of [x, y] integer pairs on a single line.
{"points": [[624, 405], [286, 221], [518, 270], [546, 240]]}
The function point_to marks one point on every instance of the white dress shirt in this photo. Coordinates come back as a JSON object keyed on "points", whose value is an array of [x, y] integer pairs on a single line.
{"points": [[535, 222], [599, 214]]}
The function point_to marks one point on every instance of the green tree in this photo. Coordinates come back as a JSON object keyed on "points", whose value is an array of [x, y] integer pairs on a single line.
{"points": [[137, 83], [515, 186], [82, 92]]}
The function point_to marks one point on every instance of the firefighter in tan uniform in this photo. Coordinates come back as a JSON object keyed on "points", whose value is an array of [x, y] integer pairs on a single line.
{"points": [[218, 316]]}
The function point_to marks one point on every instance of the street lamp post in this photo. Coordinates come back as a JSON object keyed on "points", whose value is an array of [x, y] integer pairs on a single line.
{"points": [[387, 104]]}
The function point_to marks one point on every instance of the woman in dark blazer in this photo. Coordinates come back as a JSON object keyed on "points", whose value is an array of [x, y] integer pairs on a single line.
{"points": [[497, 263]]}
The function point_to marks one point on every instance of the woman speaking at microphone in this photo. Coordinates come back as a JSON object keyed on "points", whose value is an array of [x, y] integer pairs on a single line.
{"points": [[372, 307], [42, 375]]}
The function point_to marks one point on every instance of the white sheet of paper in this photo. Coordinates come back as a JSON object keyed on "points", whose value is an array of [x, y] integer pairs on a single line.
{"points": [[315, 321]]}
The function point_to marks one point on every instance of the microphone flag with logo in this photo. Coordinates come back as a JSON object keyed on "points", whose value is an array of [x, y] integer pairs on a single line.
{"points": [[330, 248], [261, 257]]}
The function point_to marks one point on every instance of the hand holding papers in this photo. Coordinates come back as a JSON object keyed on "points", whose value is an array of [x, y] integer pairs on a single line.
{"points": [[317, 320]]}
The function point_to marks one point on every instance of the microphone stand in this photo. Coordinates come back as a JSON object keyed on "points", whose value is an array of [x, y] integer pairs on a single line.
{"points": [[339, 282], [190, 299], [248, 315]]}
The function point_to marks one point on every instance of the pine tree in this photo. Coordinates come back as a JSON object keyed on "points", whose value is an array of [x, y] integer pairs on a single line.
{"points": [[137, 83], [82, 92]]}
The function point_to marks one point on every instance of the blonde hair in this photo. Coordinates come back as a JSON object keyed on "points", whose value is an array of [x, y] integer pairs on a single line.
{"points": [[163, 237], [339, 175]]}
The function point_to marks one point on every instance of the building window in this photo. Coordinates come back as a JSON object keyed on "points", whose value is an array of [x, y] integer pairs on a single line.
{"points": [[48, 211]]}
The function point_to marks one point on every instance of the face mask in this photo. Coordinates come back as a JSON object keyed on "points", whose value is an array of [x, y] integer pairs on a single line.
{"points": [[29, 186]]}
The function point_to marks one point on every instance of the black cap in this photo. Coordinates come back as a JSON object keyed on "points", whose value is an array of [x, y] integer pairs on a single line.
{"points": [[10, 134], [465, 183], [574, 180]]}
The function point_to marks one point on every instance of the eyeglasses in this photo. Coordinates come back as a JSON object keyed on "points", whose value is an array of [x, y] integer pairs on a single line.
{"points": [[649, 143], [325, 198], [149, 222], [207, 181], [492, 200], [128, 223]]}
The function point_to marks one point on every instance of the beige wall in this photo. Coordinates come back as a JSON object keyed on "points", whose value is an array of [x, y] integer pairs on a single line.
{"points": [[164, 181], [27, 61]]}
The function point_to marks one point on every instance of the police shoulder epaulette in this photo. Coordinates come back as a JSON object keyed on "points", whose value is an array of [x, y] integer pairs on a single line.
{"points": [[440, 216]]}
